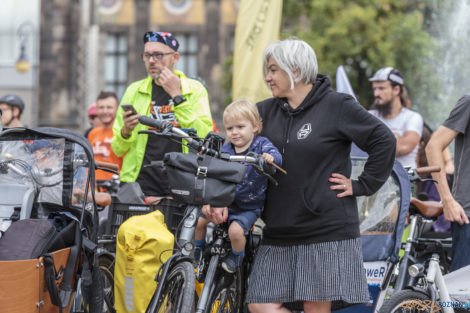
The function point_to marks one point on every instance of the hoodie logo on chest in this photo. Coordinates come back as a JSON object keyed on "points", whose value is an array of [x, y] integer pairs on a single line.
{"points": [[304, 131]]}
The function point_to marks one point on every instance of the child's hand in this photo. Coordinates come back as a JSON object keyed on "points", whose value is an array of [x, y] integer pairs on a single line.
{"points": [[269, 158], [215, 215]]}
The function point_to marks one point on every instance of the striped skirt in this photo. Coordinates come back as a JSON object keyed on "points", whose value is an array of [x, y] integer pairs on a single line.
{"points": [[327, 271]]}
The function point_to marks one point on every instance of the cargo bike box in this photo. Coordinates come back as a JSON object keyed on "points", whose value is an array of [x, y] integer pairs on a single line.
{"points": [[47, 218]]}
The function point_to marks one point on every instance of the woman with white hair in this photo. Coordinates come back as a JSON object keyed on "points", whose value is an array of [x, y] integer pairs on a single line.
{"points": [[310, 257]]}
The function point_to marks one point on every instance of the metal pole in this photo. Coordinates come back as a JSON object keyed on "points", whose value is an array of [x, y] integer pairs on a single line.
{"points": [[24, 30]]}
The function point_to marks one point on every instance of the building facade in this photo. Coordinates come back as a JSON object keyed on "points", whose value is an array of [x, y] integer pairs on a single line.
{"points": [[87, 46], [19, 38]]}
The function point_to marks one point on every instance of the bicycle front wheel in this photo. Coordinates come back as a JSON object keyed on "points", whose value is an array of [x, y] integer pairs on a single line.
{"points": [[229, 298], [409, 301], [107, 270], [177, 294], [106, 264]]}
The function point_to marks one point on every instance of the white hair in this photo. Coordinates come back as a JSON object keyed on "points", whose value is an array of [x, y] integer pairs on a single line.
{"points": [[292, 55]]}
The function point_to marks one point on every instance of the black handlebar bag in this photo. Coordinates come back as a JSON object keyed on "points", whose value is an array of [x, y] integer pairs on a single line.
{"points": [[202, 179]]}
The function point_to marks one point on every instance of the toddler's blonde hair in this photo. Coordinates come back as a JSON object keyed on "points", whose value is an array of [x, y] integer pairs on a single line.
{"points": [[243, 108]]}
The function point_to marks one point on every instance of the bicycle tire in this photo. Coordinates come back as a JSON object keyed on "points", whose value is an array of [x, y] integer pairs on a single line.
{"points": [[179, 285], [106, 264], [409, 301], [229, 299]]}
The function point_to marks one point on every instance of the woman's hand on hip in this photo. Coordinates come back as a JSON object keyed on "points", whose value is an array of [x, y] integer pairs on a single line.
{"points": [[342, 184]]}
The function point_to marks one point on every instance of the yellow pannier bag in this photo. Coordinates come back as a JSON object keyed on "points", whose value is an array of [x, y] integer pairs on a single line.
{"points": [[140, 242]]}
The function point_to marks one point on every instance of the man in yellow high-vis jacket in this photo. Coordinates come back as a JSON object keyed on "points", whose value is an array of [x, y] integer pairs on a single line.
{"points": [[166, 94]]}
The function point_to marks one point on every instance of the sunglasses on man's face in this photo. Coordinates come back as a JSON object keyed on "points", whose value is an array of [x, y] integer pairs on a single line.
{"points": [[92, 117]]}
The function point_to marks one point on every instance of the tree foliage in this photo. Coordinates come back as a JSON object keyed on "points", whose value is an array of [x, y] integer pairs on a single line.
{"points": [[363, 35], [425, 39]]}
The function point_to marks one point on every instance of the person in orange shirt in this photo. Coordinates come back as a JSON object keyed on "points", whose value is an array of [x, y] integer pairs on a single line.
{"points": [[100, 137]]}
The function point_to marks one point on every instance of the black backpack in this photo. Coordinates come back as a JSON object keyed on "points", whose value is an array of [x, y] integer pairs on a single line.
{"points": [[31, 238]]}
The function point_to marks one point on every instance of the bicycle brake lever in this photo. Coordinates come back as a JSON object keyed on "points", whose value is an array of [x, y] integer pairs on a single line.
{"points": [[430, 179], [163, 133], [259, 169]]}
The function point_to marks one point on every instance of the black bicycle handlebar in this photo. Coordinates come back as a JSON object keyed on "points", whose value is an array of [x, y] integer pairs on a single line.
{"points": [[414, 173], [168, 130], [208, 146], [154, 122]]}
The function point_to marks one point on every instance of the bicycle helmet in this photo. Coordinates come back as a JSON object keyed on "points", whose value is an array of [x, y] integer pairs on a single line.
{"points": [[39, 144], [14, 101]]}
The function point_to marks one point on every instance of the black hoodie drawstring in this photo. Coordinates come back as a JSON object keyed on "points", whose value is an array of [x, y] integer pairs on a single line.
{"points": [[286, 130]]}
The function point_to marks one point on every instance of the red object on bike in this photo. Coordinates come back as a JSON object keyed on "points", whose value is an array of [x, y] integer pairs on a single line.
{"points": [[214, 127]]}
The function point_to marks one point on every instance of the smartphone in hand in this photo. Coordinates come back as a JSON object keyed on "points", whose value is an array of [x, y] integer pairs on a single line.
{"points": [[128, 107]]}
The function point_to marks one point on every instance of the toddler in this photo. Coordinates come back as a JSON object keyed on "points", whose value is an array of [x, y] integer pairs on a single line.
{"points": [[242, 125]]}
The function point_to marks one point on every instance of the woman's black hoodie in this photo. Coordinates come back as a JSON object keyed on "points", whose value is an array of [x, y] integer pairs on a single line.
{"points": [[315, 141]]}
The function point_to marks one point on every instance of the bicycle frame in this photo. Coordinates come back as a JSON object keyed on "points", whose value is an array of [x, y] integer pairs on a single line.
{"points": [[212, 281], [208, 286], [186, 236], [415, 239], [436, 284], [407, 257], [184, 240]]}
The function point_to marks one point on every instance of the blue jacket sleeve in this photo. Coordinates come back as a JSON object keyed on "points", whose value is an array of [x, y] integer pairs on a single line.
{"points": [[268, 147]]}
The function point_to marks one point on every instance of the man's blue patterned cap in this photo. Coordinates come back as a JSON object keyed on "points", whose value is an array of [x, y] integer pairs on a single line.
{"points": [[163, 37]]}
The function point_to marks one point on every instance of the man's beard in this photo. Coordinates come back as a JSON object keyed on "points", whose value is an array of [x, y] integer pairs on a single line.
{"points": [[384, 108], [155, 77]]}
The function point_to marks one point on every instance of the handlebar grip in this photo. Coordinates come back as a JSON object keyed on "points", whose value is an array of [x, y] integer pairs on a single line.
{"points": [[153, 122], [428, 169], [107, 165]]}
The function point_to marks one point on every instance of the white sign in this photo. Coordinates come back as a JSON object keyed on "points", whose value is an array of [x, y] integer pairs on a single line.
{"points": [[376, 271]]}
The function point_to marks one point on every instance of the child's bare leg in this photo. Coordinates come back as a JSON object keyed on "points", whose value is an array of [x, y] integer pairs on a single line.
{"points": [[200, 236], [237, 237], [200, 232], [238, 241]]}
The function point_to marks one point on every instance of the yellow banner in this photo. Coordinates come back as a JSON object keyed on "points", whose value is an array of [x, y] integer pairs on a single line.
{"points": [[258, 24]]}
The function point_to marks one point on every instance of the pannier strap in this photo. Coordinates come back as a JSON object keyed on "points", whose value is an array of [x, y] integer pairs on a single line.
{"points": [[49, 277], [16, 214], [61, 297], [202, 171], [65, 285], [203, 165], [200, 179]]}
